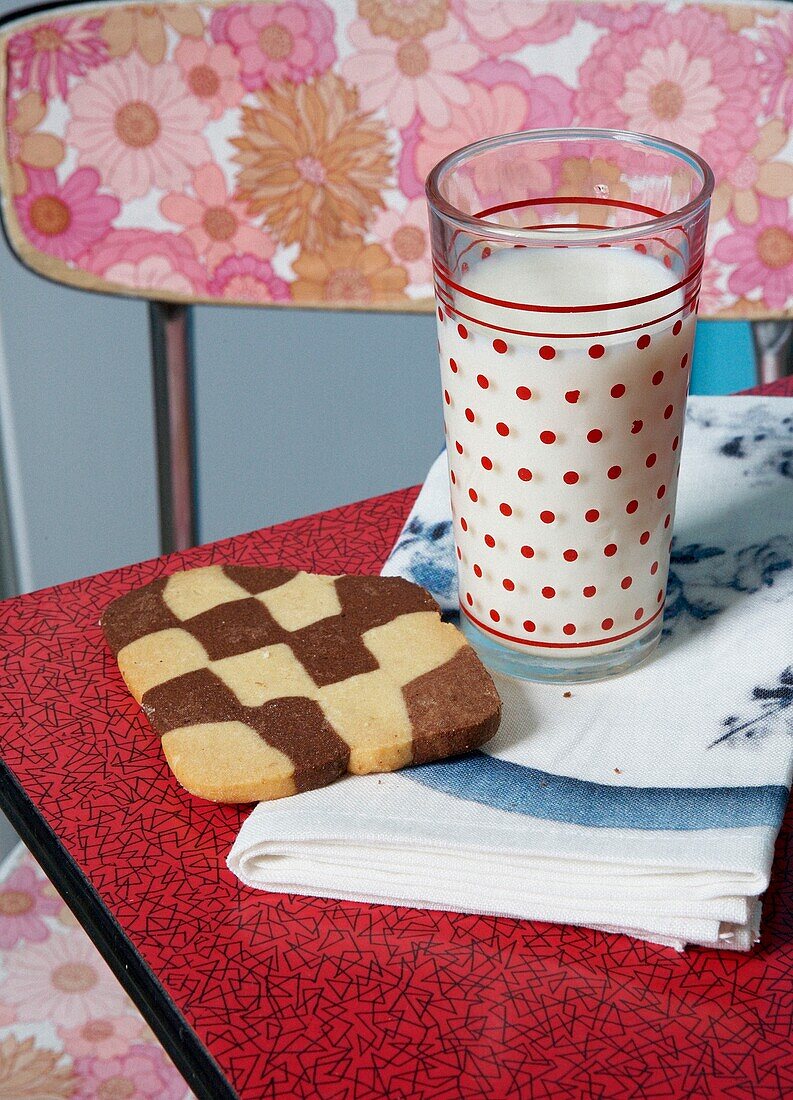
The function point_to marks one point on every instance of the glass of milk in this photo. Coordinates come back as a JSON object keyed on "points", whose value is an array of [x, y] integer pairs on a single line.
{"points": [[567, 268]]}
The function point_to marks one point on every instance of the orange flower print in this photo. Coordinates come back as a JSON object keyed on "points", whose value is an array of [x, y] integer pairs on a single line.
{"points": [[757, 173], [398, 19], [591, 179], [311, 162], [350, 273], [143, 28], [28, 1071], [26, 148]]}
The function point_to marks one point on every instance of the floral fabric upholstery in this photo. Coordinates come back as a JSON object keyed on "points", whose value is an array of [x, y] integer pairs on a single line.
{"points": [[276, 152], [67, 1028]]}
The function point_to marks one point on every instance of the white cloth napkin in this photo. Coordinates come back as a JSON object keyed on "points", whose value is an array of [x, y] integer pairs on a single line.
{"points": [[648, 804]]}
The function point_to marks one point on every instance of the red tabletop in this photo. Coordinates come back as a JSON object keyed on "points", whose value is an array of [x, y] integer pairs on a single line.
{"points": [[295, 997]]}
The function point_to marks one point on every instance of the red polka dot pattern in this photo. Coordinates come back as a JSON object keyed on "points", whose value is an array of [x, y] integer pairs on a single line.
{"points": [[464, 523], [548, 592], [603, 428], [676, 327]]}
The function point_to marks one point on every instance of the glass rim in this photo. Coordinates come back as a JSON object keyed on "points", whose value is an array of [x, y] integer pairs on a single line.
{"points": [[480, 225]]}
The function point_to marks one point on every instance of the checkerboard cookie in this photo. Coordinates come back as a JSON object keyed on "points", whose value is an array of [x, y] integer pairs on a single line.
{"points": [[266, 682]]}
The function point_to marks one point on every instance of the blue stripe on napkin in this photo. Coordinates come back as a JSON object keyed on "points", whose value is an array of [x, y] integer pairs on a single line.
{"points": [[521, 790]]}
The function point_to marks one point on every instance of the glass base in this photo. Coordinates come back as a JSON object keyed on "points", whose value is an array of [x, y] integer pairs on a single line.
{"points": [[562, 670]]}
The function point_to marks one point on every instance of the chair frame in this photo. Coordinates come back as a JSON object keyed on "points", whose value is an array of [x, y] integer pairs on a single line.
{"points": [[172, 364]]}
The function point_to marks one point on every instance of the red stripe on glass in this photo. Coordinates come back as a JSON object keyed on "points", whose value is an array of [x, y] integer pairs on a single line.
{"points": [[561, 645]]}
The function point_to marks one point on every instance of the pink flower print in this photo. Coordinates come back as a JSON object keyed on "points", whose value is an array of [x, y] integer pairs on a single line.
{"points": [[23, 903], [504, 26], [763, 253], [148, 262], [211, 73], [214, 225], [776, 71], [65, 219], [103, 1037], [142, 1073], [63, 979], [276, 42], [45, 57], [504, 98], [622, 18], [248, 279], [138, 125], [711, 293], [410, 75], [675, 78], [405, 236], [670, 93]]}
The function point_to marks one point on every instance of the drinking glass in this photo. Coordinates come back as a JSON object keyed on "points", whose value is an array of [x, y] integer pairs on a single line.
{"points": [[567, 267]]}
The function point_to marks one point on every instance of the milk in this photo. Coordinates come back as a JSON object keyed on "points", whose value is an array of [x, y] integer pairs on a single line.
{"points": [[563, 449]]}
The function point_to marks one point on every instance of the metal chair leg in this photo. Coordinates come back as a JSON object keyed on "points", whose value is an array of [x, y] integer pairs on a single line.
{"points": [[773, 341], [172, 367]]}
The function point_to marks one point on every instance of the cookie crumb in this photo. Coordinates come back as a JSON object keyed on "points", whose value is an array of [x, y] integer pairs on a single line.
{"points": [[567, 695], [618, 771]]}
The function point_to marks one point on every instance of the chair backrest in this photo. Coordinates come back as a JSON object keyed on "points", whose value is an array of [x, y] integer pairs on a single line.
{"points": [[275, 153]]}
